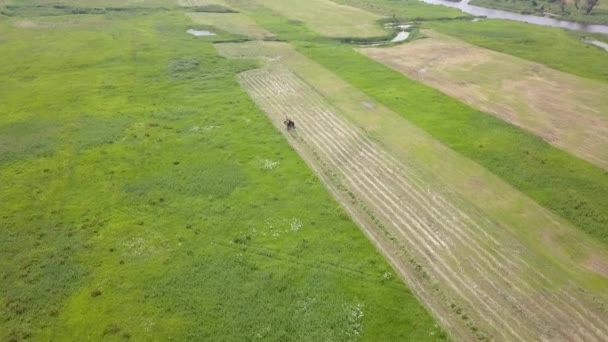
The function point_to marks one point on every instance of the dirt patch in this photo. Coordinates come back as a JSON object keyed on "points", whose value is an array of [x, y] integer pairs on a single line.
{"points": [[567, 111], [598, 265]]}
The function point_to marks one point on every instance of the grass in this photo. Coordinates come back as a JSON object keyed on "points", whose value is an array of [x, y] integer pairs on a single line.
{"points": [[406, 10], [150, 199], [572, 188], [508, 207], [562, 183], [234, 23], [559, 49], [329, 18], [599, 14], [529, 95]]}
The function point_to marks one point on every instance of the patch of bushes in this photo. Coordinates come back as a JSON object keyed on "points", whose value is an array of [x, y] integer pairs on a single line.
{"points": [[212, 8]]}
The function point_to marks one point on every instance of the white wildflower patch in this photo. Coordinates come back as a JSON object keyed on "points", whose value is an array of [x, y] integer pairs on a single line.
{"points": [[277, 227], [355, 320], [295, 224], [136, 246], [304, 305], [387, 276], [266, 164]]}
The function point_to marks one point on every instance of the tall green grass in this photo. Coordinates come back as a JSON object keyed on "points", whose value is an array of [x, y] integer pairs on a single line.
{"points": [[145, 197]]}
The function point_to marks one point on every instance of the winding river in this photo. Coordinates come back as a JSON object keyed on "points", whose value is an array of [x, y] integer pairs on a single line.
{"points": [[526, 18]]}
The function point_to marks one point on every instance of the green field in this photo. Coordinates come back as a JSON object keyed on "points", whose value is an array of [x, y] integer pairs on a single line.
{"points": [[146, 196], [406, 9], [150, 199], [320, 16]]}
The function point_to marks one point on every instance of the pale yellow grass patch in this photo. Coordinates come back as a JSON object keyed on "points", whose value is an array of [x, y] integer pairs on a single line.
{"points": [[236, 23], [329, 18], [566, 110]]}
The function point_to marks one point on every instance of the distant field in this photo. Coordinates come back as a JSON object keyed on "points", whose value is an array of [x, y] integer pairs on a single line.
{"points": [[573, 188], [92, 3], [418, 190], [144, 196], [405, 9], [559, 49], [567, 111], [231, 22], [599, 14], [329, 18]]}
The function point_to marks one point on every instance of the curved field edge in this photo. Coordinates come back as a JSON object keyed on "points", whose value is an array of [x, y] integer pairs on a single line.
{"points": [[187, 216]]}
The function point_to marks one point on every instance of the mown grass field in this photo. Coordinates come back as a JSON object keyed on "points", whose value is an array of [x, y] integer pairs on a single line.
{"points": [[547, 244], [529, 95], [144, 196], [329, 18], [570, 187]]}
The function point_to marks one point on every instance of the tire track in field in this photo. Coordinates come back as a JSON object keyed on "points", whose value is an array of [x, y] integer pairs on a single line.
{"points": [[456, 250]]}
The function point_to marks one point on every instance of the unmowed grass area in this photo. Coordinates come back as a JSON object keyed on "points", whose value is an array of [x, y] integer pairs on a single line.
{"points": [[570, 187], [144, 196]]}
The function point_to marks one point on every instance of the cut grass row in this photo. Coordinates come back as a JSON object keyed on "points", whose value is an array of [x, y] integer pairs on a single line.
{"points": [[570, 187], [149, 198]]}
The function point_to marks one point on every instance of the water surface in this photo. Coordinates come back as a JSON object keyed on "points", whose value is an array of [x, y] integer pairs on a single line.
{"points": [[525, 18], [200, 33]]}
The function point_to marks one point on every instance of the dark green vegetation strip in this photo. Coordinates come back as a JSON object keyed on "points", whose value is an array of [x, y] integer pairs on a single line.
{"points": [[145, 197], [559, 49], [571, 187]]}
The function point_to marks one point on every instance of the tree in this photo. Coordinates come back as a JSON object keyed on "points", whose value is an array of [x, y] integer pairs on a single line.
{"points": [[562, 5], [576, 3], [590, 5]]}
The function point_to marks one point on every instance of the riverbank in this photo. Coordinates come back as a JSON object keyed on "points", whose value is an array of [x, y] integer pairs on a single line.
{"points": [[599, 14]]}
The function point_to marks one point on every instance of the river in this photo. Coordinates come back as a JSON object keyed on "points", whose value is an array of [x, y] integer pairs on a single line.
{"points": [[526, 18]]}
